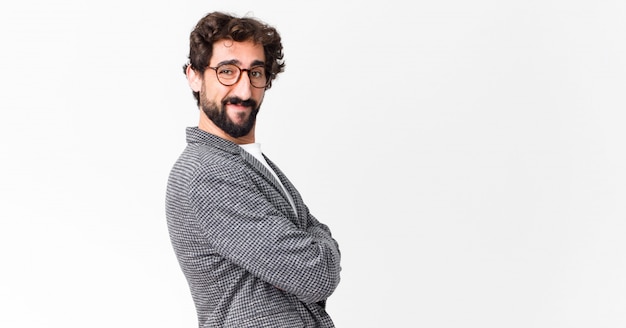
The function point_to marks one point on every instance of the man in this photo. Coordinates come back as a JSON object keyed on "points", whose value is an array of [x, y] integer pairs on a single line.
{"points": [[252, 253]]}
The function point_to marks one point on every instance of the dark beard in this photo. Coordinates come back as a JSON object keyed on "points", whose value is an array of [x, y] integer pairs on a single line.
{"points": [[219, 117]]}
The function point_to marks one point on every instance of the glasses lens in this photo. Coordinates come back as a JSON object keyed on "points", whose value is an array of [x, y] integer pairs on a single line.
{"points": [[258, 78], [228, 74]]}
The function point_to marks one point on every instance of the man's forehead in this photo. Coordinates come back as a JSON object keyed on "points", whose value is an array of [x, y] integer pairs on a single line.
{"points": [[240, 53]]}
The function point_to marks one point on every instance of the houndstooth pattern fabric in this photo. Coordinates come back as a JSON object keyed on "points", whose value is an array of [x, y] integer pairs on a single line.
{"points": [[249, 260]]}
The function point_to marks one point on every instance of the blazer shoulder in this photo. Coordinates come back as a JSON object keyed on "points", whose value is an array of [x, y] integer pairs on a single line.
{"points": [[199, 159]]}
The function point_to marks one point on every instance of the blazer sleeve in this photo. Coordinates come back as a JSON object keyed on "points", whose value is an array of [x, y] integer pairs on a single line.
{"points": [[322, 232], [239, 221]]}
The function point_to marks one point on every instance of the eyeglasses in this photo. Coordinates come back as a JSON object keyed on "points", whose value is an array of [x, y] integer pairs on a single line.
{"points": [[229, 74]]}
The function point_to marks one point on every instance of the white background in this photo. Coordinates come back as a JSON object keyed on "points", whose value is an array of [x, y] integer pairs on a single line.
{"points": [[468, 156]]}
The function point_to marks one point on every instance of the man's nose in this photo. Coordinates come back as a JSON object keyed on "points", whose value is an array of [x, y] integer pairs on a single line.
{"points": [[243, 87]]}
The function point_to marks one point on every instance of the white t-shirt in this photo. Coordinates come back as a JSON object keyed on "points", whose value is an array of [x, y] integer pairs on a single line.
{"points": [[255, 150]]}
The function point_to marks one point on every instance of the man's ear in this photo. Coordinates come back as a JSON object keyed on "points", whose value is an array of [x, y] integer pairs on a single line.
{"points": [[194, 79]]}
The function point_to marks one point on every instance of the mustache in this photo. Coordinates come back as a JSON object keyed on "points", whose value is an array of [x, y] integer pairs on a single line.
{"points": [[238, 101]]}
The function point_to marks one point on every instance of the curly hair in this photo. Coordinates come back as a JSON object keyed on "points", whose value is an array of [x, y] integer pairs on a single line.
{"points": [[217, 26]]}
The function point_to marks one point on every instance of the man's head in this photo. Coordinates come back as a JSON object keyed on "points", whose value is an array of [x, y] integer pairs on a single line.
{"points": [[232, 61]]}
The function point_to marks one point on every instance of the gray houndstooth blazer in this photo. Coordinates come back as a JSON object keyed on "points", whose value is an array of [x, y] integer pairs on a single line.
{"points": [[248, 259]]}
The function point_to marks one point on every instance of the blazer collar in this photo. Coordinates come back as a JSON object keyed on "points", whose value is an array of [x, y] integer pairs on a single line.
{"points": [[195, 135]]}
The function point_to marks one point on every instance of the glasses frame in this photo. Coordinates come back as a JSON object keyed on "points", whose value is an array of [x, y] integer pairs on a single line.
{"points": [[241, 70]]}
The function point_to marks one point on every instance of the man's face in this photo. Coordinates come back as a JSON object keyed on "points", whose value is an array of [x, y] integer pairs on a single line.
{"points": [[232, 108]]}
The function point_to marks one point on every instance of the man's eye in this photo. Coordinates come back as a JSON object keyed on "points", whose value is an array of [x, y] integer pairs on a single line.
{"points": [[226, 72], [257, 73]]}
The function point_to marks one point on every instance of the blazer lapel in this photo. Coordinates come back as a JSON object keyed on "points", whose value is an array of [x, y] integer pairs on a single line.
{"points": [[257, 165], [195, 135], [290, 189]]}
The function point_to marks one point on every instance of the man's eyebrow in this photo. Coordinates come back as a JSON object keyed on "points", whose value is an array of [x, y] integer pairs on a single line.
{"points": [[229, 62], [238, 63]]}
